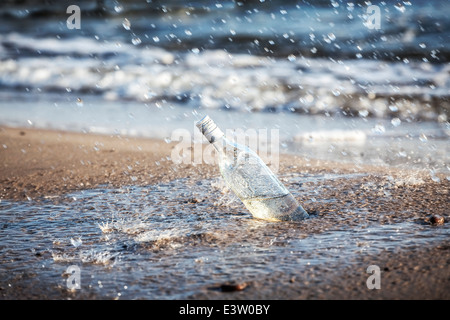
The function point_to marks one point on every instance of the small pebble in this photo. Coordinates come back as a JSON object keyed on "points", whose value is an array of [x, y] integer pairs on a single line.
{"points": [[230, 287], [192, 200], [436, 219]]}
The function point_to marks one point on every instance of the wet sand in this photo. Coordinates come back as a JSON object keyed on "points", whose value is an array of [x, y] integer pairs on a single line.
{"points": [[43, 164]]}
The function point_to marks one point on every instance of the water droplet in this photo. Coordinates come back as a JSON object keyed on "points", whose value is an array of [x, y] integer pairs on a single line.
{"points": [[150, 95], [336, 92], [156, 39], [400, 7], [359, 55], [126, 24], [167, 140], [118, 8], [30, 122], [422, 45], [188, 32], [291, 58], [76, 242], [363, 113], [136, 41], [79, 102], [314, 50], [195, 51], [396, 122], [393, 108], [331, 36], [442, 118], [309, 98], [423, 137], [379, 129], [435, 178]]}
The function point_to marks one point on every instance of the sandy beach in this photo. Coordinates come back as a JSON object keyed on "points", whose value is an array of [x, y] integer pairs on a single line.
{"points": [[40, 164]]}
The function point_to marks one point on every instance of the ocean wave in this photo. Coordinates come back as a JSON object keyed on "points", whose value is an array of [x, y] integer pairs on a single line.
{"points": [[219, 79], [416, 30]]}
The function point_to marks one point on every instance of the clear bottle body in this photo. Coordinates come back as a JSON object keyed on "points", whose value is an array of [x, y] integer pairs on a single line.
{"points": [[255, 184]]}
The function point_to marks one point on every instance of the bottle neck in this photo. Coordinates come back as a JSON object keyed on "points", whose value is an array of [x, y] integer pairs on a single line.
{"points": [[209, 129], [220, 144]]}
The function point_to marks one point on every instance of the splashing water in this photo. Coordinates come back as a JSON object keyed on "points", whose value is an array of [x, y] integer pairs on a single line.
{"points": [[148, 238]]}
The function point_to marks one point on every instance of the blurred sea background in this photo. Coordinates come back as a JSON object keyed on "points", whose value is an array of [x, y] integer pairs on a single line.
{"points": [[313, 69]]}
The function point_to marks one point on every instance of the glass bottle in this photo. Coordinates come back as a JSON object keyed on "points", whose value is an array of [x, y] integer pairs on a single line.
{"points": [[250, 179]]}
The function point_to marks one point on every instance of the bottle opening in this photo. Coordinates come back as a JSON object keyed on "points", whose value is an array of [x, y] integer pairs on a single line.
{"points": [[209, 129]]}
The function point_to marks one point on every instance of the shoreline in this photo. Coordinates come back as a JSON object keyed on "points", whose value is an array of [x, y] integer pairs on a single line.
{"points": [[42, 163], [39, 163]]}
